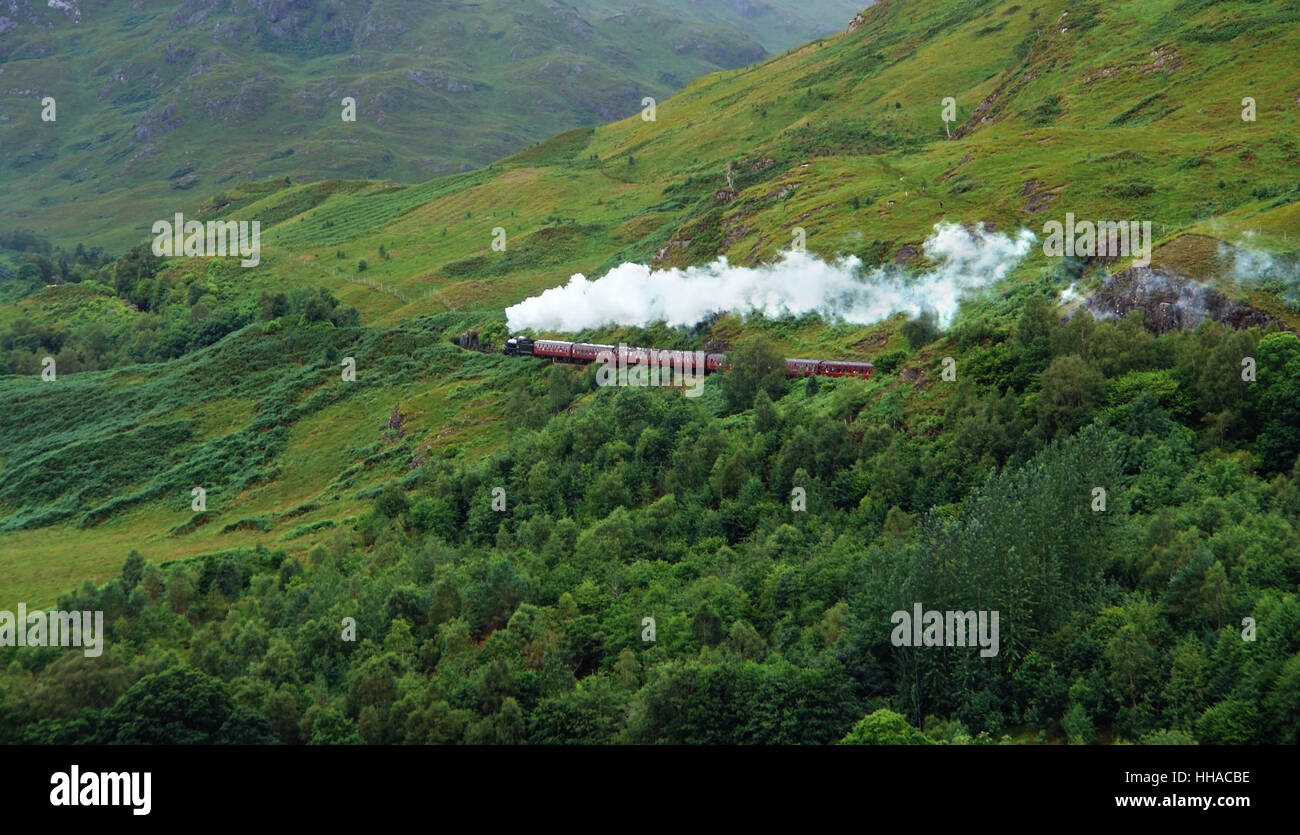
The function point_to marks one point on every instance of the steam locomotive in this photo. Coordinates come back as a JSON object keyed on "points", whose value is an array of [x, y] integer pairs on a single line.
{"points": [[584, 352]]}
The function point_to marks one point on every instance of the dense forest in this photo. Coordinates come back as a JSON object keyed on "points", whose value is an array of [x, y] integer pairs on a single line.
{"points": [[176, 315], [518, 614]]}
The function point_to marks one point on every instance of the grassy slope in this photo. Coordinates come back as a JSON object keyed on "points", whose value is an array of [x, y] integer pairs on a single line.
{"points": [[1143, 87], [160, 102], [855, 81]]}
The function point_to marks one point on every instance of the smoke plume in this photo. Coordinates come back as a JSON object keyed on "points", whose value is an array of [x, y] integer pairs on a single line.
{"points": [[796, 284], [1250, 266]]}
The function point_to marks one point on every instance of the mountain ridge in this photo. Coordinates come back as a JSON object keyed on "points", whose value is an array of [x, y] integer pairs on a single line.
{"points": [[195, 94]]}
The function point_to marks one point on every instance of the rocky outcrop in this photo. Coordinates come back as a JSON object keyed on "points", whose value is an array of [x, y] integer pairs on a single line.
{"points": [[1169, 301], [158, 121], [861, 17]]}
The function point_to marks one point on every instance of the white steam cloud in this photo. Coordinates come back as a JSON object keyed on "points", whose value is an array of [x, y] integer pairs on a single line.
{"points": [[797, 284], [1070, 295], [1251, 266]]}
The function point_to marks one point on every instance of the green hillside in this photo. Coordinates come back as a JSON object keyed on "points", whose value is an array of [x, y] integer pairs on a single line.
{"points": [[159, 102], [372, 498]]}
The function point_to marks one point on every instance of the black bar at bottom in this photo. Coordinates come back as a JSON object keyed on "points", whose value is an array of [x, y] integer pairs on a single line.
{"points": [[336, 784]]}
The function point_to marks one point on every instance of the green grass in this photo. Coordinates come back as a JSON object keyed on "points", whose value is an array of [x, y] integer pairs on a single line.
{"points": [[261, 420], [823, 136]]}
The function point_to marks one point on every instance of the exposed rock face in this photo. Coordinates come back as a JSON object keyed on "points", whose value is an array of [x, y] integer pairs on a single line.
{"points": [[906, 253], [396, 420], [1038, 195], [159, 120], [858, 19], [68, 7], [1169, 301]]}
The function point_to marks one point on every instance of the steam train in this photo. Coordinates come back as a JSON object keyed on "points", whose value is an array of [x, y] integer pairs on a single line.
{"points": [[584, 352]]}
